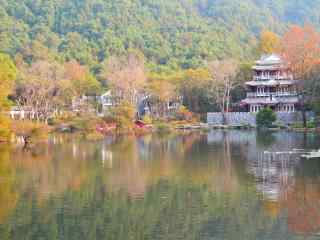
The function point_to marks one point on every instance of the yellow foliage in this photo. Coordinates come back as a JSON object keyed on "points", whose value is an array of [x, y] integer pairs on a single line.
{"points": [[124, 115], [8, 197], [196, 77], [8, 74], [161, 86], [184, 114], [147, 119], [269, 42], [5, 128]]}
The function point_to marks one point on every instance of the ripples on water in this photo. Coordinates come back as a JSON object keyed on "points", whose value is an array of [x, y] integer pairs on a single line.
{"points": [[221, 185]]}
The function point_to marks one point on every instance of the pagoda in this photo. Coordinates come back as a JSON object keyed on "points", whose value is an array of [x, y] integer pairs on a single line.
{"points": [[272, 86]]}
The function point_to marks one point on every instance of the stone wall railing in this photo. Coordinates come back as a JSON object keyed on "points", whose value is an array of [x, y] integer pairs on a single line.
{"points": [[247, 118]]}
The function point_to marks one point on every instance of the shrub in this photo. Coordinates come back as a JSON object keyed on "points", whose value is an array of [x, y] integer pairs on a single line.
{"points": [[147, 119], [124, 116], [86, 124], [183, 114], [73, 122], [266, 117], [311, 124], [163, 128], [66, 116], [297, 125]]}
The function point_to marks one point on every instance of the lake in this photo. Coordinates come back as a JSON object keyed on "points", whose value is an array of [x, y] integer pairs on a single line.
{"points": [[193, 185]]}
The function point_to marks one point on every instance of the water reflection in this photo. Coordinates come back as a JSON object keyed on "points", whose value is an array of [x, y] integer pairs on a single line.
{"points": [[8, 195], [221, 185]]}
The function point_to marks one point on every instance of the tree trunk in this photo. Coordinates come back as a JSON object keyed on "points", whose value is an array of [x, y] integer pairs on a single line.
{"points": [[224, 118], [26, 140], [304, 117], [303, 111], [317, 122]]}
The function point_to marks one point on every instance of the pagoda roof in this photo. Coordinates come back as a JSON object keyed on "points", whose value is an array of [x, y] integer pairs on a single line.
{"points": [[270, 62], [271, 83]]}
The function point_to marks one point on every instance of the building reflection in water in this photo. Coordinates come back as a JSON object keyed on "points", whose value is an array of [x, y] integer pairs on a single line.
{"points": [[271, 158], [274, 173], [289, 185], [238, 168]]}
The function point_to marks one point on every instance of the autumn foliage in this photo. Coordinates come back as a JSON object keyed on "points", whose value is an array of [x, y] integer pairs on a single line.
{"points": [[300, 47], [5, 126], [8, 74], [269, 42]]}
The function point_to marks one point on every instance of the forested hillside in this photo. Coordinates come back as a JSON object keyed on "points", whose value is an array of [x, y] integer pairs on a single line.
{"points": [[170, 33]]}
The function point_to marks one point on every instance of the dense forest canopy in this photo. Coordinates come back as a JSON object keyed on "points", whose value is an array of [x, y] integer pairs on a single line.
{"points": [[171, 34]]}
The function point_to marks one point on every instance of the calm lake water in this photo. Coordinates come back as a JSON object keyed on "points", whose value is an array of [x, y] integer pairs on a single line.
{"points": [[218, 185]]}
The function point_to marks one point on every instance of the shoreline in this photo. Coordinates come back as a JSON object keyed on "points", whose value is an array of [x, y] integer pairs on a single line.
{"points": [[162, 128], [205, 126]]}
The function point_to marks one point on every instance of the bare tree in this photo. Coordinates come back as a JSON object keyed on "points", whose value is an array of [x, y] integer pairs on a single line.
{"points": [[126, 76], [40, 87], [223, 81]]}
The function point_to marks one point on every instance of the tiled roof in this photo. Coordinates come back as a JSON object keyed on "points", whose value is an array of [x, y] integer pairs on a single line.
{"points": [[269, 59], [270, 62]]}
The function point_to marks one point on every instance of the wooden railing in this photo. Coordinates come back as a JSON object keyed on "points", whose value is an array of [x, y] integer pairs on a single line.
{"points": [[268, 94], [271, 77]]}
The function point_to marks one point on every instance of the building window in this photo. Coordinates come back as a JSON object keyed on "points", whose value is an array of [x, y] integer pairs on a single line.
{"points": [[287, 108], [260, 90], [255, 108], [292, 108]]}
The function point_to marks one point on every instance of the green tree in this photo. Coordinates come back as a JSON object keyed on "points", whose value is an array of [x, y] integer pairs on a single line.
{"points": [[162, 90], [8, 74], [266, 117], [171, 34], [193, 87]]}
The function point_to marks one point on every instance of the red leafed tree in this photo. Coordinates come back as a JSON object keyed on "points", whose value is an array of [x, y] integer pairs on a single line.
{"points": [[300, 47]]}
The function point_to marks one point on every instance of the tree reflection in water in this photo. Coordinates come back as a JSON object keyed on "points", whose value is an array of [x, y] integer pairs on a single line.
{"points": [[220, 185], [8, 195]]}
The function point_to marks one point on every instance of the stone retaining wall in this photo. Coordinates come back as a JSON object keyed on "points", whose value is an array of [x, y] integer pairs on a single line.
{"points": [[245, 118]]}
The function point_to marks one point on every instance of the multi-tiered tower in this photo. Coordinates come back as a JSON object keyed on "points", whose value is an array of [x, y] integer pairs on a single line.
{"points": [[272, 86]]}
